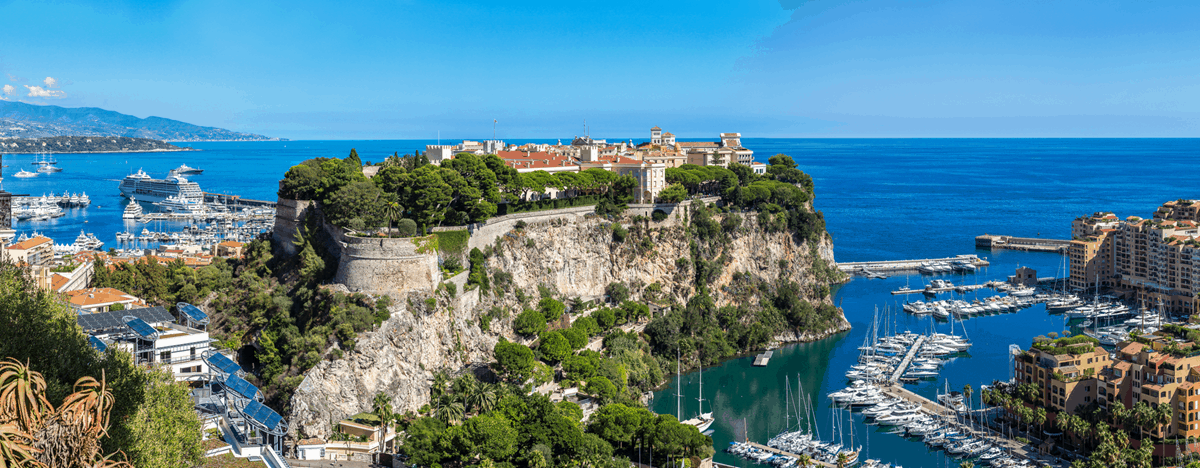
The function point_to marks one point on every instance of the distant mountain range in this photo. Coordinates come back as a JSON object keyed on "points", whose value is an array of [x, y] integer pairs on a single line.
{"points": [[21, 120], [86, 144]]}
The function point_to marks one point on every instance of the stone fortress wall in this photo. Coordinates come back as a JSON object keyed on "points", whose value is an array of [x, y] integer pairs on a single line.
{"points": [[399, 265]]}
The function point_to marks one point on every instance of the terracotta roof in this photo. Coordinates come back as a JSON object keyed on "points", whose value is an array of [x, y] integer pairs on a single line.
{"points": [[30, 243], [655, 129], [1131, 348], [1123, 365], [234, 244], [58, 280], [96, 296], [526, 155], [698, 144], [667, 134]]}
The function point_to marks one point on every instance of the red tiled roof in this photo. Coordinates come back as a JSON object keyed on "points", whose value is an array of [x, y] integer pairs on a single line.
{"points": [[1131, 348], [29, 243]]}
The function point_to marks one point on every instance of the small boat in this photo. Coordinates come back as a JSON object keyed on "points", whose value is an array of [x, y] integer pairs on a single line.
{"points": [[23, 174], [47, 169]]}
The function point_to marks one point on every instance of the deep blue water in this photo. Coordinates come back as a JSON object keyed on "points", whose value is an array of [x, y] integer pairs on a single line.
{"points": [[883, 199]]}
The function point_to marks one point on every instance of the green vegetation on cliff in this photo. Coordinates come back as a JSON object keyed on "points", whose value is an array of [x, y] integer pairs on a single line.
{"points": [[463, 190], [471, 423], [270, 310]]}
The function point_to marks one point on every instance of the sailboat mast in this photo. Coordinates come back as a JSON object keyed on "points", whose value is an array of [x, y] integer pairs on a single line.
{"points": [[678, 388]]}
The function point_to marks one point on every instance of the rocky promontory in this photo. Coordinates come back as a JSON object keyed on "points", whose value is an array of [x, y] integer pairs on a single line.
{"points": [[86, 144]]}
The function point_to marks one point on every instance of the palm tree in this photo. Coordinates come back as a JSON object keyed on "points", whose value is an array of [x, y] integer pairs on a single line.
{"points": [[451, 413], [1162, 416], [842, 460], [1039, 417], [392, 211], [966, 464], [804, 461]]}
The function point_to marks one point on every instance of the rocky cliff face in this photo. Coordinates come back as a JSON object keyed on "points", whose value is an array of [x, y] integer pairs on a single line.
{"points": [[574, 256]]}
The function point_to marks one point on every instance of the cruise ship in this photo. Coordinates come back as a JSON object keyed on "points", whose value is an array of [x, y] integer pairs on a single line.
{"points": [[141, 187]]}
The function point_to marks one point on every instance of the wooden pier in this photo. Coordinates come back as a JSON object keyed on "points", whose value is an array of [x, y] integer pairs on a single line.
{"points": [[236, 201], [1031, 244], [889, 266], [789, 454], [908, 357]]}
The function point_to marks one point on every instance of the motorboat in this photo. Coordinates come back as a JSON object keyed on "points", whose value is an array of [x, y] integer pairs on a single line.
{"points": [[23, 174], [184, 169], [47, 169]]}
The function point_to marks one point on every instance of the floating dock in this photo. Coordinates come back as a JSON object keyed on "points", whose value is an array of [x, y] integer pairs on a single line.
{"points": [[761, 359], [1031, 244], [890, 266], [908, 357]]}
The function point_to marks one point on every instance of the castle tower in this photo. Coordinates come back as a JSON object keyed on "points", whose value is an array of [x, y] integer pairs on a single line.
{"points": [[656, 136]]}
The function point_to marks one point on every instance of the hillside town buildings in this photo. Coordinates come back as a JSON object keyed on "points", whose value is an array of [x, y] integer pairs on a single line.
{"points": [[1152, 261], [646, 162]]}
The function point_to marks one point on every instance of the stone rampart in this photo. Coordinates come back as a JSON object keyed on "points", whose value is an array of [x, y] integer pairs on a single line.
{"points": [[485, 233], [386, 265], [289, 215]]}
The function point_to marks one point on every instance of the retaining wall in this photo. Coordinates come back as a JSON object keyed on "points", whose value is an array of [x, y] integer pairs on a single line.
{"points": [[289, 215], [384, 265]]}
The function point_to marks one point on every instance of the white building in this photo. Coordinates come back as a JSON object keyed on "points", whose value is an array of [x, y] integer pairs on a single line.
{"points": [[153, 337], [438, 153]]}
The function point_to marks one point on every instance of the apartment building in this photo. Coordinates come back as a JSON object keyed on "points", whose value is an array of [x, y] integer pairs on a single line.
{"points": [[1091, 251], [1154, 261], [1157, 369], [1066, 369], [36, 251]]}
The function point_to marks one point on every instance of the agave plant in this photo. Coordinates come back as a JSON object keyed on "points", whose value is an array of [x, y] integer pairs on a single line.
{"points": [[35, 434], [21, 395]]}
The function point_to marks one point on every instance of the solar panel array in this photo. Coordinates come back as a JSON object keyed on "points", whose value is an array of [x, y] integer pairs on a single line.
{"points": [[96, 343], [261, 414], [222, 363], [192, 312], [102, 321], [241, 387], [142, 328]]}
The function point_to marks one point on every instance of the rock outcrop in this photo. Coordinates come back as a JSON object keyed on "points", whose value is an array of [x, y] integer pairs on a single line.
{"points": [[573, 255]]}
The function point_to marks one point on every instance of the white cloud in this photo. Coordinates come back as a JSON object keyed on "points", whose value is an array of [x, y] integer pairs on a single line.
{"points": [[9, 89], [38, 91], [50, 82]]}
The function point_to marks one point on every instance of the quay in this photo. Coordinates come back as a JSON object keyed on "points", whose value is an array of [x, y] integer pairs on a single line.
{"points": [[790, 454], [905, 265], [761, 359], [1032, 244], [908, 357], [234, 200]]}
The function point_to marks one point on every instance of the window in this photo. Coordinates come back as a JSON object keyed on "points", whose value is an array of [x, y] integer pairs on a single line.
{"points": [[164, 356], [193, 352]]}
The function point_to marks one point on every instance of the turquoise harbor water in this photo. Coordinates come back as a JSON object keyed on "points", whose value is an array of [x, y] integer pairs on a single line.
{"points": [[882, 199]]}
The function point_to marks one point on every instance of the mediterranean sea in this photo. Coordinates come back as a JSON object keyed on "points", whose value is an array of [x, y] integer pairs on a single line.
{"points": [[883, 199]]}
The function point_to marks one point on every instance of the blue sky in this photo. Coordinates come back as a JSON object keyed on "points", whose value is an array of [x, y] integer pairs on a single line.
{"points": [[765, 68]]}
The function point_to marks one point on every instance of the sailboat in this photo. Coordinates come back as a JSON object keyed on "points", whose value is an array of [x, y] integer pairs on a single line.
{"points": [[704, 420]]}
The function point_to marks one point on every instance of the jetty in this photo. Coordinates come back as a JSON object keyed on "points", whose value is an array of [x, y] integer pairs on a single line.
{"points": [[761, 359], [908, 357], [890, 266], [236, 201], [1031, 244]]}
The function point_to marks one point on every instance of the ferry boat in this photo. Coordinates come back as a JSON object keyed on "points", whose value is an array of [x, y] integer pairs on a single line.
{"points": [[184, 169], [24, 174], [141, 187], [132, 210]]}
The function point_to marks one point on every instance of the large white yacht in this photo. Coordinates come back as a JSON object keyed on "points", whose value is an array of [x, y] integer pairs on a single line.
{"points": [[141, 187]]}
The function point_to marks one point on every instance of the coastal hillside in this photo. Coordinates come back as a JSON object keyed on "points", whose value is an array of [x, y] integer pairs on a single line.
{"points": [[21, 120], [83, 144], [595, 292]]}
